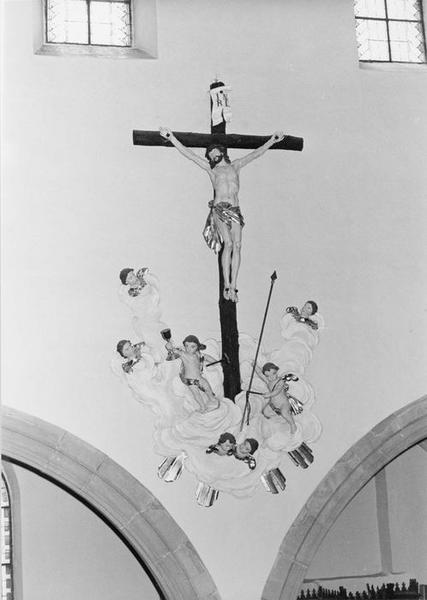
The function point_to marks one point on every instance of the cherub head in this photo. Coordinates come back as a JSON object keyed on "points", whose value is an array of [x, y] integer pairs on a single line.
{"points": [[126, 349], [215, 153], [128, 277], [247, 448], [270, 370], [309, 309], [192, 345], [226, 443]]}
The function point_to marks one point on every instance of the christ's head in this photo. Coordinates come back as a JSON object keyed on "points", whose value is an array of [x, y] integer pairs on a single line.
{"points": [[216, 153]]}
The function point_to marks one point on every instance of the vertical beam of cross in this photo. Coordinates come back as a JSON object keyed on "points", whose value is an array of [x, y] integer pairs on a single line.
{"points": [[227, 311]]}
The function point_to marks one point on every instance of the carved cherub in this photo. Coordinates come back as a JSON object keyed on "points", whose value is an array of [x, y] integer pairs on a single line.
{"points": [[304, 315], [280, 401], [245, 451], [192, 364], [132, 352], [135, 281], [225, 445]]}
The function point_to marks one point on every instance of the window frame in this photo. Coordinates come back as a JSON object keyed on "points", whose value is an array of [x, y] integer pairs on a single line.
{"points": [[387, 20], [143, 32], [89, 26], [10, 478]]}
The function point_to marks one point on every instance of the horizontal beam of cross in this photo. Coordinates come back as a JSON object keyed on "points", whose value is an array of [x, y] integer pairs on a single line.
{"points": [[229, 140]]}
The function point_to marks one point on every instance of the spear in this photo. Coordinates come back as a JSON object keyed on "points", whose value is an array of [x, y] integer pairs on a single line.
{"points": [[225, 359], [247, 409]]}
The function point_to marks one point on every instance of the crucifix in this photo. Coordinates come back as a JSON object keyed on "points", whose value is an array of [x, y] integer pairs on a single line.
{"points": [[225, 221]]}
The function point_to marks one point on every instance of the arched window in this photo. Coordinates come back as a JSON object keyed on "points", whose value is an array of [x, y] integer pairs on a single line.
{"points": [[6, 543]]}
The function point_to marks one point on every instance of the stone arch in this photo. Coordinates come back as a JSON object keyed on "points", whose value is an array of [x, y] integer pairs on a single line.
{"points": [[395, 434], [129, 508]]}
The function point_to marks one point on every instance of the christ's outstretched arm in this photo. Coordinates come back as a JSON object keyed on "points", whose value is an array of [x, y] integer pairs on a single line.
{"points": [[168, 135], [242, 162]]}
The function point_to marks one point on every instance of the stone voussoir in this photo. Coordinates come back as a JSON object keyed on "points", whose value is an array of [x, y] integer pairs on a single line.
{"points": [[30, 427], [26, 449], [81, 452]]}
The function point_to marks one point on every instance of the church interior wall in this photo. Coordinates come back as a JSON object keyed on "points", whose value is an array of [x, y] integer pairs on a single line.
{"points": [[57, 562], [342, 222], [379, 537]]}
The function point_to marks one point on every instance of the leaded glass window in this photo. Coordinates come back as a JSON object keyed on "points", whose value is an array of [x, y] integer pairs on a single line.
{"points": [[6, 544], [390, 31], [89, 22]]}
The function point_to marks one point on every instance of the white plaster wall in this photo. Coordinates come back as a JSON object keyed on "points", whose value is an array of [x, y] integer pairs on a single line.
{"points": [[351, 547], [407, 485], [68, 552], [342, 222]]}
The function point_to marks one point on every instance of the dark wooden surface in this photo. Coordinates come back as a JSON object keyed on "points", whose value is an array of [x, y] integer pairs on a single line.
{"points": [[229, 340], [202, 140], [227, 309]]}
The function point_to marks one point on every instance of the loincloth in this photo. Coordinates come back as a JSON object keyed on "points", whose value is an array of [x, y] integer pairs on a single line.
{"points": [[196, 382], [294, 405], [228, 214]]}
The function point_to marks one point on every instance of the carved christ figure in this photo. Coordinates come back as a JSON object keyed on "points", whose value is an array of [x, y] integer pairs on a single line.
{"points": [[225, 221]]}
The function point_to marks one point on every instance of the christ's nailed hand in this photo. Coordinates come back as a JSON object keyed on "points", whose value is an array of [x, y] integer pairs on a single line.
{"points": [[165, 132]]}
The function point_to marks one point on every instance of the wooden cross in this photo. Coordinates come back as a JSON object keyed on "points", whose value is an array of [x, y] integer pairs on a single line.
{"points": [[227, 308]]}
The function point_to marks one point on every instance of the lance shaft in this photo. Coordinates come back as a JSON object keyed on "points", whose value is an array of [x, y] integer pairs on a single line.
{"points": [[247, 409]]}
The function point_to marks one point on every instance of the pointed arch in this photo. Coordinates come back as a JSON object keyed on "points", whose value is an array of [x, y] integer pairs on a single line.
{"points": [[395, 434], [127, 506]]}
